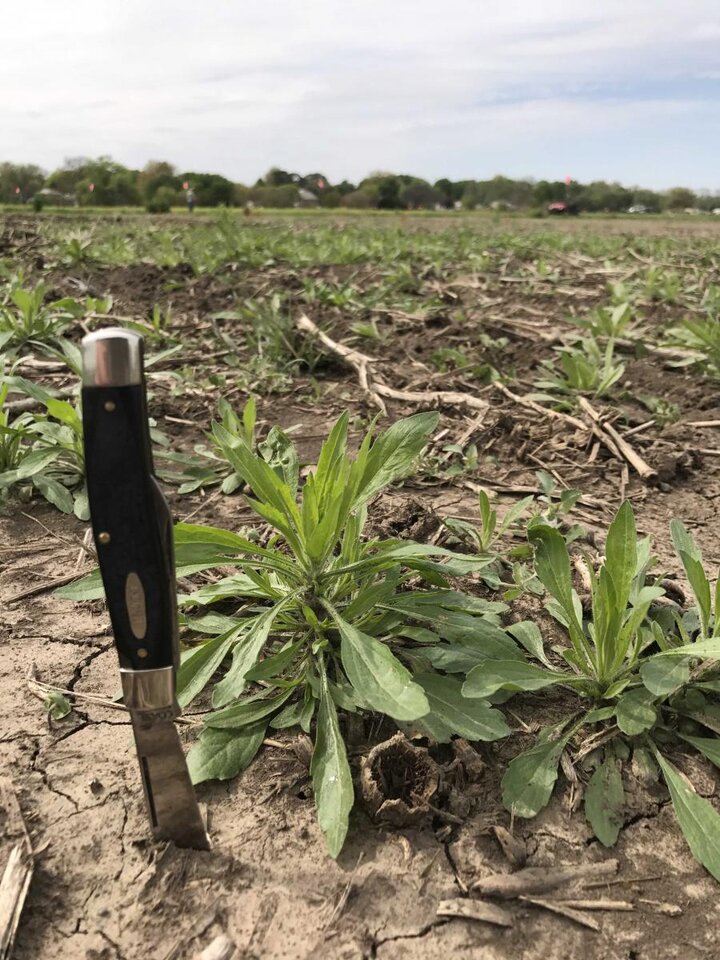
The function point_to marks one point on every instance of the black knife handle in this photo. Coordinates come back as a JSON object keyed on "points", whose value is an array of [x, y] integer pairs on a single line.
{"points": [[131, 521]]}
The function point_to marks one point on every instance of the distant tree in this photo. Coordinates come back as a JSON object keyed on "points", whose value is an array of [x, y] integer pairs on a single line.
{"points": [[679, 198], [156, 174], [281, 196], [549, 191], [601, 196], [122, 188], [386, 188], [388, 195], [275, 177], [470, 196], [162, 200], [241, 194], [451, 192], [26, 176], [420, 195], [344, 187], [210, 189], [330, 198], [100, 182], [707, 201], [316, 182], [503, 190], [360, 199], [646, 198], [66, 177]]}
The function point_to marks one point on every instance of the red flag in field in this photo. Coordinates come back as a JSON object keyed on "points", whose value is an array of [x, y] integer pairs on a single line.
{"points": [[17, 189], [186, 186], [321, 184], [568, 179]]}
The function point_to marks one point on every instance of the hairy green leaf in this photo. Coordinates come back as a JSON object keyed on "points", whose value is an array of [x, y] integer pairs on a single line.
{"points": [[36, 461], [698, 819], [604, 801], [330, 770], [552, 563], [705, 649], [452, 657], [530, 778], [198, 667], [663, 675], [635, 711], [277, 664], [89, 587], [381, 681], [621, 553], [450, 713], [223, 754], [691, 558], [246, 712], [528, 634], [58, 705], [245, 654], [394, 452], [493, 675], [54, 492], [708, 746]]}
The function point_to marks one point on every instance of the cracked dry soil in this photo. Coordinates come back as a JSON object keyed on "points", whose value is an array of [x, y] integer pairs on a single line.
{"points": [[103, 890]]}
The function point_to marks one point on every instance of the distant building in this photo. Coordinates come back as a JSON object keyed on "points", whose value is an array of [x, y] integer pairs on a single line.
{"points": [[54, 198], [306, 198], [561, 209]]}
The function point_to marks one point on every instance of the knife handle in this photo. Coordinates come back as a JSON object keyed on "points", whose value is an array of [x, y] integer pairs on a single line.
{"points": [[131, 521]]}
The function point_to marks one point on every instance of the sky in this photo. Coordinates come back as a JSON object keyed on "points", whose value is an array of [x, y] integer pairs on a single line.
{"points": [[623, 90]]}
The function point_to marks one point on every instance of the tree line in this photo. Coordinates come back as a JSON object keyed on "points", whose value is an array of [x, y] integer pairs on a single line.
{"points": [[159, 186]]}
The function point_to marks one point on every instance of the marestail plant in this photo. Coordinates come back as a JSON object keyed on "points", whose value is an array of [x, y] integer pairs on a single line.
{"points": [[588, 367], [700, 336], [321, 621], [27, 320], [209, 466], [645, 683], [42, 450]]}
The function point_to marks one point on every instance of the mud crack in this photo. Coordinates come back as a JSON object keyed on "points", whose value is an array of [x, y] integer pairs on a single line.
{"points": [[37, 767], [85, 662], [119, 955], [377, 942]]}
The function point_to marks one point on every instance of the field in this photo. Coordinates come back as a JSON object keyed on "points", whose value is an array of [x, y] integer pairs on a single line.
{"points": [[574, 362]]}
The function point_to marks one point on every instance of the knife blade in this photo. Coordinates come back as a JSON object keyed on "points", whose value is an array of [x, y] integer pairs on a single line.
{"points": [[132, 528]]}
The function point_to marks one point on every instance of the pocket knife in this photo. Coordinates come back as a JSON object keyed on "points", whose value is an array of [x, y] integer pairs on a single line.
{"points": [[132, 528]]}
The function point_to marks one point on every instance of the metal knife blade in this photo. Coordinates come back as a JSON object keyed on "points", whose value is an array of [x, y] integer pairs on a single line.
{"points": [[169, 795], [132, 527]]}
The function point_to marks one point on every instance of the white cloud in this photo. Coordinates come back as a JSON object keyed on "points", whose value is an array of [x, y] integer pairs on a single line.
{"points": [[351, 85]]}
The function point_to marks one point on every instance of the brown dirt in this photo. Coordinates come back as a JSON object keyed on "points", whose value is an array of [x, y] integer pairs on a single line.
{"points": [[103, 890]]}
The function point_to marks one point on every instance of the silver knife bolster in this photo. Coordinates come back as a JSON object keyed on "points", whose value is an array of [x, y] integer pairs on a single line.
{"points": [[150, 694], [112, 358]]}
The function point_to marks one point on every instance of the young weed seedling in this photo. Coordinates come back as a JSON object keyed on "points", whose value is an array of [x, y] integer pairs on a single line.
{"points": [[648, 685], [320, 621], [588, 368], [27, 319], [45, 449]]}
